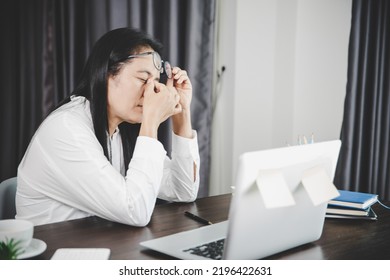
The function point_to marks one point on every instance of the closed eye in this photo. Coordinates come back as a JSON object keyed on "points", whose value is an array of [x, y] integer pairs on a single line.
{"points": [[143, 80], [149, 75]]}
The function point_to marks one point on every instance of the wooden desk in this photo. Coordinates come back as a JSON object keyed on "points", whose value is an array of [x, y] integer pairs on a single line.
{"points": [[341, 239]]}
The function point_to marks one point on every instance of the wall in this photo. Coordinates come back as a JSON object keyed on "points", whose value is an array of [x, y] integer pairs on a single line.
{"points": [[286, 69]]}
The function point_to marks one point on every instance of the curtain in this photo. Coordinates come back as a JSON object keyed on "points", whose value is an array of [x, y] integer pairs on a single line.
{"points": [[45, 44], [364, 162]]}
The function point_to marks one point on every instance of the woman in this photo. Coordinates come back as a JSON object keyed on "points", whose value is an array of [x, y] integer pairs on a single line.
{"points": [[98, 153]]}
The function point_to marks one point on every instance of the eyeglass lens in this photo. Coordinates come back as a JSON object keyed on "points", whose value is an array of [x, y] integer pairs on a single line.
{"points": [[167, 69], [162, 66], [157, 61]]}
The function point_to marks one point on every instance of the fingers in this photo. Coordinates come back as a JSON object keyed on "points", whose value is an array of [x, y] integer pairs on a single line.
{"points": [[180, 76], [157, 87], [163, 92], [149, 87], [170, 82], [178, 109]]}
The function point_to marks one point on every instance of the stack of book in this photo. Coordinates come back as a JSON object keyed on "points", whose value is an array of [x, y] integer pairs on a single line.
{"points": [[352, 205]]}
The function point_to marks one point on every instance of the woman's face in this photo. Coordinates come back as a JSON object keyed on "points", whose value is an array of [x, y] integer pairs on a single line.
{"points": [[125, 94]]}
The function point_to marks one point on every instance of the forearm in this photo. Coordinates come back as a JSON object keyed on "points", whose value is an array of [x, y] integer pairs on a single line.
{"points": [[182, 124], [181, 180], [148, 129], [131, 200]]}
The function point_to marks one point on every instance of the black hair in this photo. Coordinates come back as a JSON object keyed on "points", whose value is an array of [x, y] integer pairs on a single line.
{"points": [[106, 58]]}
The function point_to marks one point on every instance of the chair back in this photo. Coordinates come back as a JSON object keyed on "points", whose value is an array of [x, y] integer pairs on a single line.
{"points": [[7, 199]]}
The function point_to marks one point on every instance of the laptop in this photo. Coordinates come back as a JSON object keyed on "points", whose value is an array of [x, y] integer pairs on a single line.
{"points": [[254, 229]]}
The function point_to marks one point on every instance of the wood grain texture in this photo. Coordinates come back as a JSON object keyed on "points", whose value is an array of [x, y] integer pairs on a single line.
{"points": [[341, 239]]}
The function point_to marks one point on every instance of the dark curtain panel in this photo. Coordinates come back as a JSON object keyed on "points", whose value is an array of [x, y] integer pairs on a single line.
{"points": [[365, 153], [46, 42]]}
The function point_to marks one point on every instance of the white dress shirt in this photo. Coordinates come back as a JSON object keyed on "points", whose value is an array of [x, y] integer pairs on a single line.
{"points": [[64, 174]]}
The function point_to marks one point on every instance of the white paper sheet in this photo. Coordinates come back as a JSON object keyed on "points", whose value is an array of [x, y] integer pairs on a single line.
{"points": [[318, 185]]}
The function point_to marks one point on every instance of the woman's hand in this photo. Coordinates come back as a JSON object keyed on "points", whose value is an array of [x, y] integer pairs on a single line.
{"points": [[160, 103], [182, 84]]}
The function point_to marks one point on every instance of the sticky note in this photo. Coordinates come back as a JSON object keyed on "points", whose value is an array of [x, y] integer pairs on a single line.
{"points": [[274, 189], [318, 185]]}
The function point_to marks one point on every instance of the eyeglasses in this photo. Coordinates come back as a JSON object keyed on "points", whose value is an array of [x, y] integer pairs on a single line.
{"points": [[161, 65]]}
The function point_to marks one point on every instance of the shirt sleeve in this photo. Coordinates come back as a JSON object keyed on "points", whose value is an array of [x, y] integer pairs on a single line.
{"points": [[181, 173], [65, 162]]}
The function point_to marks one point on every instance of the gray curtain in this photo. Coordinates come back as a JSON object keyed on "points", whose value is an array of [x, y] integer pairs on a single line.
{"points": [[364, 162], [46, 42]]}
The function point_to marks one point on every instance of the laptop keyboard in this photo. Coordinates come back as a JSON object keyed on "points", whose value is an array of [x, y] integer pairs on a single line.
{"points": [[212, 250]]}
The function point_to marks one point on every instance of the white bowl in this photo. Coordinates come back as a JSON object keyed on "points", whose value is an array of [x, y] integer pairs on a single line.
{"points": [[18, 230]]}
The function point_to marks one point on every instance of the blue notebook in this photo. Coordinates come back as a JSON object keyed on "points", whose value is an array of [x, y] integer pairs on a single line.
{"points": [[354, 199]]}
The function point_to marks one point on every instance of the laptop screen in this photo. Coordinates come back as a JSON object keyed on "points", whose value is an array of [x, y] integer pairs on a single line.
{"points": [[258, 229], [275, 205]]}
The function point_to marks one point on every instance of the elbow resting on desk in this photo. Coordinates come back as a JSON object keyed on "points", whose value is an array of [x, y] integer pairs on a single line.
{"points": [[141, 223], [143, 217]]}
